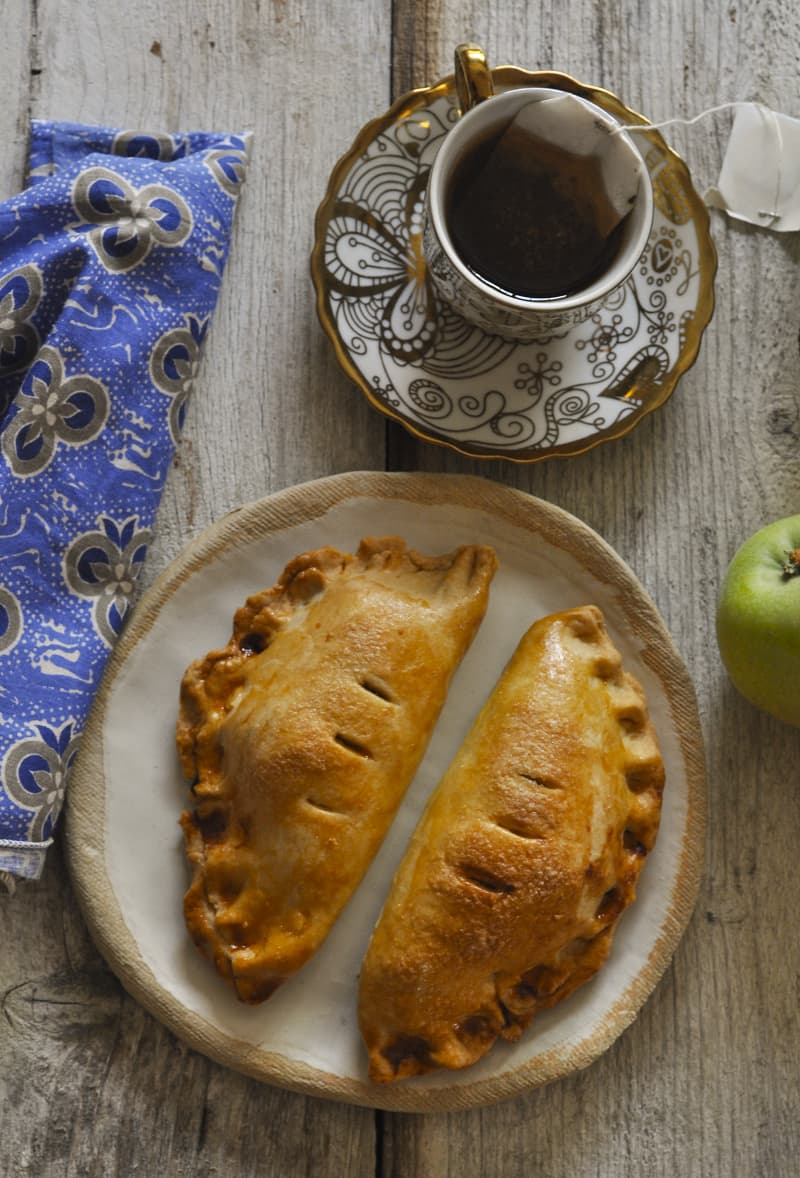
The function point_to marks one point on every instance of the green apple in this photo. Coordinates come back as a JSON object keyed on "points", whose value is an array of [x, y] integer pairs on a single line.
{"points": [[758, 619]]}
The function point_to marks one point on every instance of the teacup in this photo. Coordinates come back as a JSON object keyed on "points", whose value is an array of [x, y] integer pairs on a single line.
{"points": [[527, 274]]}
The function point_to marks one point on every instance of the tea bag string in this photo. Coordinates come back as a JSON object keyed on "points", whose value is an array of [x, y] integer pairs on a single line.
{"points": [[771, 122]]}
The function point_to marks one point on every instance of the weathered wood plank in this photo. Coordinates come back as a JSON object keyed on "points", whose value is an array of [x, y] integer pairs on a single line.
{"points": [[270, 408], [90, 1084], [19, 84], [705, 1082]]}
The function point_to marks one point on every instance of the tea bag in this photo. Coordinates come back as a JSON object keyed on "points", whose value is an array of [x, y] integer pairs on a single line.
{"points": [[539, 209], [760, 177], [579, 132]]}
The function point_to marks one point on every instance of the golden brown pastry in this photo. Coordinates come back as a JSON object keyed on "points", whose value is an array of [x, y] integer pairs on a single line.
{"points": [[527, 853], [301, 737]]}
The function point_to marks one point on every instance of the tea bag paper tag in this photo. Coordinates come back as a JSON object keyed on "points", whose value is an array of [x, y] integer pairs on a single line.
{"points": [[760, 177]]}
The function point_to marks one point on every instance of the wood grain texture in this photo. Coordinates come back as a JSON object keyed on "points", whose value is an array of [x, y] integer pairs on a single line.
{"points": [[89, 1084], [20, 79], [705, 1083]]}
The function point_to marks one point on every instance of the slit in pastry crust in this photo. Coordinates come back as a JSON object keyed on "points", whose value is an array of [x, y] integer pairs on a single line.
{"points": [[480, 930], [301, 737]]}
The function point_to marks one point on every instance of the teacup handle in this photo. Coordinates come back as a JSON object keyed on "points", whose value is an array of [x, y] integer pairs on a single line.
{"points": [[473, 77]]}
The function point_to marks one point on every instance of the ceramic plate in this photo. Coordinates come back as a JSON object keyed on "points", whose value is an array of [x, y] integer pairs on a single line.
{"points": [[125, 848], [451, 383]]}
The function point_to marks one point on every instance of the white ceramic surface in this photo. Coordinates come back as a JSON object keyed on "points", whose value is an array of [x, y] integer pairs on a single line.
{"points": [[450, 382], [579, 126], [128, 859]]}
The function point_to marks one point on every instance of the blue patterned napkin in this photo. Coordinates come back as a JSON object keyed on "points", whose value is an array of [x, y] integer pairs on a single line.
{"points": [[110, 267]]}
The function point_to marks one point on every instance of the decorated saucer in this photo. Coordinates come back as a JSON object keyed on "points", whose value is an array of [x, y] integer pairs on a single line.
{"points": [[453, 384]]}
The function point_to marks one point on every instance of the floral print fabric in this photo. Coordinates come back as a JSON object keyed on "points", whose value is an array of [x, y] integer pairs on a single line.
{"points": [[110, 267]]}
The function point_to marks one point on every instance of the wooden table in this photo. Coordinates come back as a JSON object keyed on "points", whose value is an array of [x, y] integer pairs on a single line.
{"points": [[706, 1081]]}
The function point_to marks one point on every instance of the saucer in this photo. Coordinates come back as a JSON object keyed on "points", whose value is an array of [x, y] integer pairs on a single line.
{"points": [[451, 383]]}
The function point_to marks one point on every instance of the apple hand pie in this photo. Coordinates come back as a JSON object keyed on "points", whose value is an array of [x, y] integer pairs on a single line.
{"points": [[527, 853], [301, 737]]}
